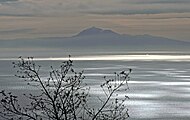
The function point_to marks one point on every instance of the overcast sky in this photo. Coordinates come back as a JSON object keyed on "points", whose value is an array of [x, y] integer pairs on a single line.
{"points": [[55, 18]]}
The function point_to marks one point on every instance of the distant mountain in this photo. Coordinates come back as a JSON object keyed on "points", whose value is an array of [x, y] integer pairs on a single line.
{"points": [[98, 38], [95, 31]]}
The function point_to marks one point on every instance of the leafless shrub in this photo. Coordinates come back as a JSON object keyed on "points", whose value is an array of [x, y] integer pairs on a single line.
{"points": [[63, 96]]}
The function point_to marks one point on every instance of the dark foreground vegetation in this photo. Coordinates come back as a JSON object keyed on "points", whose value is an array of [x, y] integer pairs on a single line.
{"points": [[64, 95]]}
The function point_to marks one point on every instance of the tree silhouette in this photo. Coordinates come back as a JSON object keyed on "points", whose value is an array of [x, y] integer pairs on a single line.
{"points": [[63, 95]]}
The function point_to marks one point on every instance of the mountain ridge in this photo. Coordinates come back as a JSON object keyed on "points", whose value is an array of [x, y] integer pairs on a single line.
{"points": [[95, 31], [97, 37]]}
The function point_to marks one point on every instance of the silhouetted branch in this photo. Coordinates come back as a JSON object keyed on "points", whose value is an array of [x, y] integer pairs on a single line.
{"points": [[63, 96]]}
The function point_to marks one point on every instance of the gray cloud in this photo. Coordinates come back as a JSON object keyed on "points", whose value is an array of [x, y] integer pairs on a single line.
{"points": [[17, 15], [134, 12], [166, 18], [16, 31], [157, 1], [5, 1], [27, 9]]}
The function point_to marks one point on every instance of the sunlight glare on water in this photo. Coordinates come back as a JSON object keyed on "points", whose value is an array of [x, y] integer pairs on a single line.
{"points": [[146, 57], [158, 88], [130, 57]]}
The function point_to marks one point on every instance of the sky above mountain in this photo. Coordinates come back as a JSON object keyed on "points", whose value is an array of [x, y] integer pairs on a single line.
{"points": [[57, 18]]}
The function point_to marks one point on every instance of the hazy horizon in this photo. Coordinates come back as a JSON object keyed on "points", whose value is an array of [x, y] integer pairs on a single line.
{"points": [[103, 38], [46, 18]]}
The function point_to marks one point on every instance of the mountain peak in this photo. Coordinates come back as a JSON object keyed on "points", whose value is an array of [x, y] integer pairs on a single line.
{"points": [[95, 31]]}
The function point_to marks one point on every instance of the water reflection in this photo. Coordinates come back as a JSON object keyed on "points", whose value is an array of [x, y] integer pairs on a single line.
{"points": [[159, 85], [146, 57]]}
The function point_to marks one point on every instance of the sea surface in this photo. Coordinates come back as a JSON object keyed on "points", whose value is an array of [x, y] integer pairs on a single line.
{"points": [[159, 87]]}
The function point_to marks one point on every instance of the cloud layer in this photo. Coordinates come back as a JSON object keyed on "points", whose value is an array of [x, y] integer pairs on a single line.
{"points": [[4, 1], [161, 1], [111, 7]]}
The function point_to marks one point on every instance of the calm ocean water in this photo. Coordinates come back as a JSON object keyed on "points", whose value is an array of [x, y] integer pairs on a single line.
{"points": [[159, 85]]}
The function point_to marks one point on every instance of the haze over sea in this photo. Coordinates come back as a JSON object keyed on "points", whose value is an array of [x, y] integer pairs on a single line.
{"points": [[105, 36], [159, 84], [160, 80]]}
